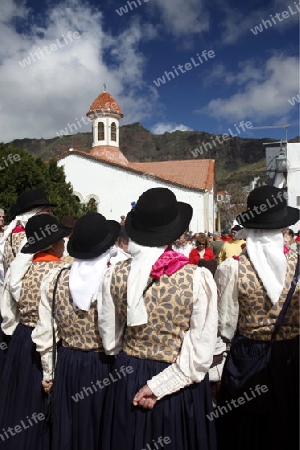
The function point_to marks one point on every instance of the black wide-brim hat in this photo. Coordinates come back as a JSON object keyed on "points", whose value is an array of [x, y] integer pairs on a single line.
{"points": [[31, 199], [267, 209], [42, 231], [158, 218], [92, 236]]}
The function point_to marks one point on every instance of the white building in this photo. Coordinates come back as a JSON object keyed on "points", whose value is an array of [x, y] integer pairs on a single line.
{"points": [[114, 183], [283, 169]]}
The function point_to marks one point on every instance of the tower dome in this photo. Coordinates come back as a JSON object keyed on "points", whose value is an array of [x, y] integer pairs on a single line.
{"points": [[105, 114], [104, 104]]}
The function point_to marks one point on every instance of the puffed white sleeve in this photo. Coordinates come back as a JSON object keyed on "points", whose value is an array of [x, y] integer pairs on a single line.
{"points": [[199, 342], [226, 278], [8, 308], [111, 325], [42, 335]]}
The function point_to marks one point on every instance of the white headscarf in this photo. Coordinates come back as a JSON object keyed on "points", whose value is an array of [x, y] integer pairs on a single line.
{"points": [[85, 278], [265, 250], [142, 262]]}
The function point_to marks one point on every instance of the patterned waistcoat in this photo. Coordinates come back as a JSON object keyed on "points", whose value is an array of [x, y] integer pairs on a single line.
{"points": [[169, 305], [30, 295], [257, 314], [78, 329], [11, 248]]}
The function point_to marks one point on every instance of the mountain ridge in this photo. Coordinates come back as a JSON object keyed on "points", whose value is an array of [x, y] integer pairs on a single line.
{"points": [[243, 158]]}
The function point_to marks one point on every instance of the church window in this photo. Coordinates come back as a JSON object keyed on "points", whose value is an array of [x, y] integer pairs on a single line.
{"points": [[113, 132], [100, 131]]}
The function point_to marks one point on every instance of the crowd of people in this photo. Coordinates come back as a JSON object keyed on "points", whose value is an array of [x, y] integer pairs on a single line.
{"points": [[122, 334]]}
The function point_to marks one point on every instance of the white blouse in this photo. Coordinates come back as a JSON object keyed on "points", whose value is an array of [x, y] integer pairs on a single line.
{"points": [[226, 278], [198, 346], [42, 335]]}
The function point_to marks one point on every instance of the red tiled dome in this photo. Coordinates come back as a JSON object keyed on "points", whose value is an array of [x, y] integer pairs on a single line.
{"points": [[105, 102]]}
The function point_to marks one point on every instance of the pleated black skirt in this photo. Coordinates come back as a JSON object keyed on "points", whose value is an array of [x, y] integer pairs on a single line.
{"points": [[274, 425], [177, 422], [22, 399], [3, 348], [79, 397]]}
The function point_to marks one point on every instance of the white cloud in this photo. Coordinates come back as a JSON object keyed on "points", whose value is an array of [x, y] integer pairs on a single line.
{"points": [[164, 127], [43, 97], [247, 71], [264, 95], [238, 23], [183, 17]]}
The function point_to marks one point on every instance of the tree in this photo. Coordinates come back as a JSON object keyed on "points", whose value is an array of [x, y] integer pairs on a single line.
{"points": [[237, 204], [19, 171]]}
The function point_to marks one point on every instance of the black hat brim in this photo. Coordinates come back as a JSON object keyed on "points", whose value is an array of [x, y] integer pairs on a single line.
{"points": [[35, 205], [160, 236], [43, 243], [292, 216], [97, 250]]}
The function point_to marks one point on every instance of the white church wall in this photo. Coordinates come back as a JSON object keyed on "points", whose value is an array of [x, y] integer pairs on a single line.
{"points": [[116, 188]]}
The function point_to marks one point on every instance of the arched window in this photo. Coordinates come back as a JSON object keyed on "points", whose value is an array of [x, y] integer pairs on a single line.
{"points": [[92, 205], [100, 131], [113, 132]]}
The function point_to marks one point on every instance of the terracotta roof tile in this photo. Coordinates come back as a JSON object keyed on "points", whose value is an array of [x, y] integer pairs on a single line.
{"points": [[105, 102], [109, 153], [194, 174], [198, 174]]}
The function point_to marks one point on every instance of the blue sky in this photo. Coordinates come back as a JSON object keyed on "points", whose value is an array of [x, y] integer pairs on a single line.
{"points": [[250, 76]]}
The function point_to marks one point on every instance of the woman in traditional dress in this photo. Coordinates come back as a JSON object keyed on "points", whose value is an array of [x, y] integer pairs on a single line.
{"points": [[13, 238], [22, 400], [161, 312], [82, 365], [252, 291]]}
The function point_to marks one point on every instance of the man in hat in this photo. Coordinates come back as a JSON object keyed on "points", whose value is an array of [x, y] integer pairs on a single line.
{"points": [[233, 247], [162, 312], [252, 291], [28, 204]]}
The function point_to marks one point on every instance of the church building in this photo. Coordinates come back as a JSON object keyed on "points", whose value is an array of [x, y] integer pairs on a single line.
{"points": [[105, 176]]}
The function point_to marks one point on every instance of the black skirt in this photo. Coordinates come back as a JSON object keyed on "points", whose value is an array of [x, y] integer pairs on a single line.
{"points": [[274, 425], [3, 348], [178, 421], [22, 400], [79, 396]]}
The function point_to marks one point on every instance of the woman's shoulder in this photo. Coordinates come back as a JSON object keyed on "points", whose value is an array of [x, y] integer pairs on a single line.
{"points": [[209, 252]]}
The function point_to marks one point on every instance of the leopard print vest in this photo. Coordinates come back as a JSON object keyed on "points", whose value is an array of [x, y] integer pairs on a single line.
{"points": [[11, 248], [169, 304], [257, 314], [28, 304], [78, 329]]}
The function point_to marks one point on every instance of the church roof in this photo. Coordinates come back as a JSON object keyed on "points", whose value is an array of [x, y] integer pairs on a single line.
{"points": [[105, 102], [198, 174], [109, 153], [193, 174]]}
